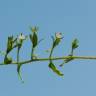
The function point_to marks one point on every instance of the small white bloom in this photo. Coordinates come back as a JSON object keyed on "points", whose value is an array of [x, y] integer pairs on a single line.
{"points": [[21, 37], [58, 35]]}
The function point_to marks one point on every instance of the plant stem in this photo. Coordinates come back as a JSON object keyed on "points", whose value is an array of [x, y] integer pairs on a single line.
{"points": [[51, 52], [56, 58], [32, 52], [18, 49]]}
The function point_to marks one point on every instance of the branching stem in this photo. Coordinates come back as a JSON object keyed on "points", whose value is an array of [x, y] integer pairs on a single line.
{"points": [[54, 58]]}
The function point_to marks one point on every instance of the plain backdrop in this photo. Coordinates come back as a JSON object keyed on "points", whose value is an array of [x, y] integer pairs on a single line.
{"points": [[74, 19]]}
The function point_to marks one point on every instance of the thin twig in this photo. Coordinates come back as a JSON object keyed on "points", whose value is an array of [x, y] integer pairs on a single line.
{"points": [[54, 58]]}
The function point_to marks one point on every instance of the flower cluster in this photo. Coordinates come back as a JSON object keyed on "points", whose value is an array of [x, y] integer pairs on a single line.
{"points": [[33, 37]]}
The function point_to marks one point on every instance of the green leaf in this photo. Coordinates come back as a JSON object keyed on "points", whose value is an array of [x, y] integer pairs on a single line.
{"points": [[9, 44], [19, 73], [75, 43], [52, 66], [7, 60]]}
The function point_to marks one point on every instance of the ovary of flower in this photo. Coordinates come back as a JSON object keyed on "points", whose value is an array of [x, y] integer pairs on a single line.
{"points": [[58, 35], [21, 37], [35, 56]]}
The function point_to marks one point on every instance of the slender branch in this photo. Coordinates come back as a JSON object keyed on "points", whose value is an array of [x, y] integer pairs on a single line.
{"points": [[54, 58], [32, 52], [18, 49], [51, 52], [60, 58]]}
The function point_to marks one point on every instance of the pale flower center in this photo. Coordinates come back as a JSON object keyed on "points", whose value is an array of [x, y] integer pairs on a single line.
{"points": [[21, 37], [58, 35]]}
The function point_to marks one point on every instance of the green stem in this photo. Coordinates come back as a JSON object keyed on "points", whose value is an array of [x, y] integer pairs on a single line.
{"points": [[14, 46], [51, 52], [55, 58], [32, 52], [18, 49], [72, 52]]}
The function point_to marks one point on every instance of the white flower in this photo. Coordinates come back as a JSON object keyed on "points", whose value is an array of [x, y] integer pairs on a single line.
{"points": [[21, 37], [58, 35]]}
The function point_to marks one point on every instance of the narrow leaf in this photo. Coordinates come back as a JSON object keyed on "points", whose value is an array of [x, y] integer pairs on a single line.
{"points": [[52, 66], [19, 73]]}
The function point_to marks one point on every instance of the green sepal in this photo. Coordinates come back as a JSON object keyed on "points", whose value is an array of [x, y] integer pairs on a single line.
{"points": [[7, 60], [53, 67], [34, 29], [75, 43], [9, 44], [34, 39], [56, 42]]}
